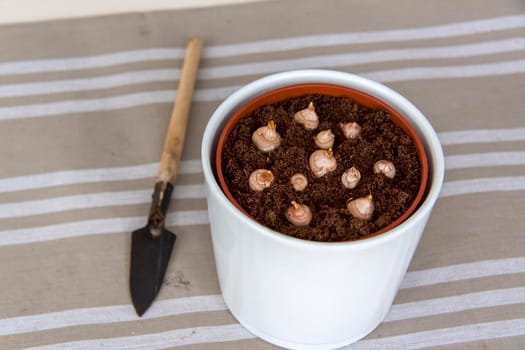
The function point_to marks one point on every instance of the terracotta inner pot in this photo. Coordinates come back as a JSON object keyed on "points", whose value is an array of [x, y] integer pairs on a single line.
{"points": [[359, 97]]}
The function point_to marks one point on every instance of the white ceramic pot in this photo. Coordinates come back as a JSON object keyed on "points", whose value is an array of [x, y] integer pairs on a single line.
{"points": [[311, 295]]}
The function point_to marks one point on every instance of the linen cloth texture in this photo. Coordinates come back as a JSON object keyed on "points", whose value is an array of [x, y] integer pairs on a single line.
{"points": [[84, 106]]}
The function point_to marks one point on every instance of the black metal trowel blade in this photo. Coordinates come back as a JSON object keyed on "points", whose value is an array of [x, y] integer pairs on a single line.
{"points": [[149, 260]]}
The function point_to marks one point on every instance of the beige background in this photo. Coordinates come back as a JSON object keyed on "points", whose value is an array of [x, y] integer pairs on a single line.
{"points": [[17, 11]]}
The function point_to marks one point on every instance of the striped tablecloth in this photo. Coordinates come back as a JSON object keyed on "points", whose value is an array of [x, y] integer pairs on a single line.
{"points": [[84, 105]]}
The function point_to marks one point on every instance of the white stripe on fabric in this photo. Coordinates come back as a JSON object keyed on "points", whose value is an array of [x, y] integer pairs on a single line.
{"points": [[96, 227], [232, 332], [447, 72], [459, 272], [94, 83], [335, 39], [273, 45], [92, 200], [157, 341], [482, 185], [481, 136], [445, 336], [248, 69], [109, 314], [208, 303], [87, 105], [474, 160], [71, 177], [218, 94], [351, 59], [456, 303], [90, 62]]}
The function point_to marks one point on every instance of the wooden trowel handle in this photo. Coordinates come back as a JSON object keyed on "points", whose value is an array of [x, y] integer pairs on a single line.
{"points": [[171, 154]]}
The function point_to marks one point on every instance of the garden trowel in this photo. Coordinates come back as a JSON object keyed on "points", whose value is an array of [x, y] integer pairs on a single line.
{"points": [[151, 246]]}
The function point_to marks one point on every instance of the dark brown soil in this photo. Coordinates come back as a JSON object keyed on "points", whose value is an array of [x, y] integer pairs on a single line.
{"points": [[380, 139]]}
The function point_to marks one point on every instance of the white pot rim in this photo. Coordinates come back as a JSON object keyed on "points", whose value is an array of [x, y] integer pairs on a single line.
{"points": [[384, 93]]}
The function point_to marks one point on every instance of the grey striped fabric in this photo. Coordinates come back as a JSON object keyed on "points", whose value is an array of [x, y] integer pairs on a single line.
{"points": [[84, 105]]}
